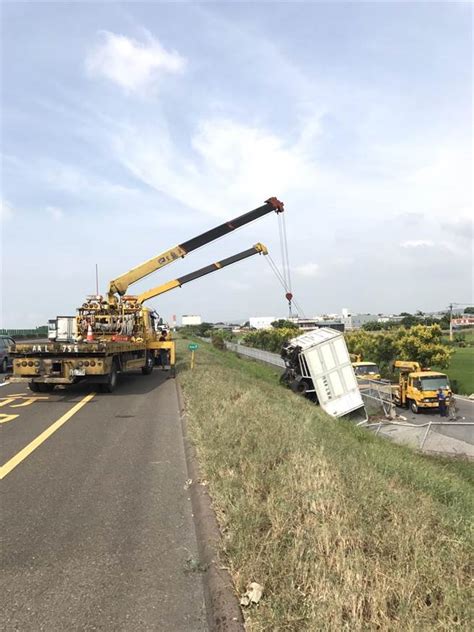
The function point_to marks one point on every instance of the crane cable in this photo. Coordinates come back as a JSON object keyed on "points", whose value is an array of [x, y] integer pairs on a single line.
{"points": [[284, 280]]}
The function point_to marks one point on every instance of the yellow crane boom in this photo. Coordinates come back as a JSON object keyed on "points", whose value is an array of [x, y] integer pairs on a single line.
{"points": [[213, 267], [121, 283]]}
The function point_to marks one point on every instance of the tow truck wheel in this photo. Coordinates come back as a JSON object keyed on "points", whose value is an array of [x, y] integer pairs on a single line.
{"points": [[414, 407], [45, 387], [34, 386], [109, 386], [4, 366], [148, 368]]}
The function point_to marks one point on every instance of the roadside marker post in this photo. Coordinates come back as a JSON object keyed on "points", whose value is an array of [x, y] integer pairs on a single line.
{"points": [[192, 346]]}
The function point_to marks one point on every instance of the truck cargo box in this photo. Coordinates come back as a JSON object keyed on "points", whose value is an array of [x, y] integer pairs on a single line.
{"points": [[318, 363]]}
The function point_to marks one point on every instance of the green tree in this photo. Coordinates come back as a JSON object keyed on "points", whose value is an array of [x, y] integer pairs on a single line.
{"points": [[281, 323], [420, 343], [469, 310], [372, 325]]}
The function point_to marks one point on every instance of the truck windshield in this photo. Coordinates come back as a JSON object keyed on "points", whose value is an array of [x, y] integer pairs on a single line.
{"points": [[367, 370], [433, 383]]}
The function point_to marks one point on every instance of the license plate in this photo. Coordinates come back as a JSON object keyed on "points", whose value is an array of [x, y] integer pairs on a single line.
{"points": [[78, 372]]}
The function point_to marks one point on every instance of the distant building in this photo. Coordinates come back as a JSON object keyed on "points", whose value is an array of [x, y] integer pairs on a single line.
{"points": [[310, 324], [346, 319], [261, 322], [360, 319], [188, 319]]}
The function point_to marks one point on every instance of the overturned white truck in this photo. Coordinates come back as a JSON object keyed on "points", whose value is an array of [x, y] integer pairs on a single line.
{"points": [[319, 367]]}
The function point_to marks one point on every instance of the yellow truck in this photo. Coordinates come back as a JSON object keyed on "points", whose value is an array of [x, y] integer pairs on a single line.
{"points": [[117, 333], [366, 370], [417, 388]]}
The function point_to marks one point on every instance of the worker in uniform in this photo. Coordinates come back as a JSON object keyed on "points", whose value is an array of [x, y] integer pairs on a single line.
{"points": [[163, 352], [442, 403]]}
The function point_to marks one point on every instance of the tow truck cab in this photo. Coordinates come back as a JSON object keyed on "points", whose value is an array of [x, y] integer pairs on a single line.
{"points": [[418, 390], [366, 370]]}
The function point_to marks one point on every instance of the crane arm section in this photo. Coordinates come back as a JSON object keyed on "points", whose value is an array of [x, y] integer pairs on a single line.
{"points": [[121, 283], [192, 276], [405, 365]]}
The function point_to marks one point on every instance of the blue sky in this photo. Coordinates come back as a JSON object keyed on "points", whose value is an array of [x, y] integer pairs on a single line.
{"points": [[128, 128]]}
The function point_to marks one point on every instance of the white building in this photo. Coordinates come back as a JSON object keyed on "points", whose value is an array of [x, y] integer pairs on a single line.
{"points": [[189, 319], [261, 322], [346, 318]]}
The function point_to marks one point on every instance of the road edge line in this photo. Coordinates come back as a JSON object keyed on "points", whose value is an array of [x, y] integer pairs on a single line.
{"points": [[222, 606], [41, 438]]}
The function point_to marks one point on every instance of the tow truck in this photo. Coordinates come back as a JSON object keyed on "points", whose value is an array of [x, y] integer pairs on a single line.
{"points": [[117, 333], [417, 388]]}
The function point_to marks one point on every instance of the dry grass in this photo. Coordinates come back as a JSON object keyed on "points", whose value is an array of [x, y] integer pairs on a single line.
{"points": [[344, 530]]}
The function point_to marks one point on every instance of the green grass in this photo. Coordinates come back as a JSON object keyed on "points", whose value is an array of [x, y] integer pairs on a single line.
{"points": [[461, 369], [345, 531]]}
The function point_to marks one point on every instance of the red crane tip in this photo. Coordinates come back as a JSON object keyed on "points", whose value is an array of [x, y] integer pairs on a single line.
{"points": [[277, 205]]}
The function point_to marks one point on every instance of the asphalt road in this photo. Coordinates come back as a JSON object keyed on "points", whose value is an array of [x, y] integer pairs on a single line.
{"points": [[97, 526], [465, 414]]}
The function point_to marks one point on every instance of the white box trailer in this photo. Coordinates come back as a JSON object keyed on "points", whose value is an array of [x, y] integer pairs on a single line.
{"points": [[318, 365], [66, 328]]}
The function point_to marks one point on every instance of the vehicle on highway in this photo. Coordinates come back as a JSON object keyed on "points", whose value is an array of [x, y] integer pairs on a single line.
{"points": [[117, 333], [366, 370], [417, 389], [5, 358]]}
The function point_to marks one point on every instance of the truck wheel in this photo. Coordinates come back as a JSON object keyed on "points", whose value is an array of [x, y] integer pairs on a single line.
{"points": [[4, 365], [414, 407], [111, 383], [44, 387], [34, 386], [148, 368], [299, 387]]}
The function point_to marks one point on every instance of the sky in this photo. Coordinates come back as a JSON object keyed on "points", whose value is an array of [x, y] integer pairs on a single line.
{"points": [[128, 128]]}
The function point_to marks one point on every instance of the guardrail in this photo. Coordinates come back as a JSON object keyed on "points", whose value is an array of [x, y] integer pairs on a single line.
{"points": [[257, 354]]}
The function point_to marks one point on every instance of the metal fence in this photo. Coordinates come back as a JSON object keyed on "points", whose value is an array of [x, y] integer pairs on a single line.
{"points": [[378, 398], [257, 354], [420, 433], [25, 333]]}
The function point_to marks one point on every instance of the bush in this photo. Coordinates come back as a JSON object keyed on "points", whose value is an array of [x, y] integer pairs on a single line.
{"points": [[217, 341]]}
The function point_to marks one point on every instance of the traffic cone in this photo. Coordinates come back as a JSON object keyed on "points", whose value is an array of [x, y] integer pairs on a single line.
{"points": [[90, 336]]}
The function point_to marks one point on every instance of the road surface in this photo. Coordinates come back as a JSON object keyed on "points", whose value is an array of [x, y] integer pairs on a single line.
{"points": [[97, 525], [465, 414]]}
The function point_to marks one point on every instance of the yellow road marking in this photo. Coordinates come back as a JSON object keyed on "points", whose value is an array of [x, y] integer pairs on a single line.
{"points": [[27, 450], [4, 418]]}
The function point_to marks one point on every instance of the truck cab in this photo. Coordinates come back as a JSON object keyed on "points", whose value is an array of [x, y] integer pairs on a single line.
{"points": [[418, 389], [366, 370]]}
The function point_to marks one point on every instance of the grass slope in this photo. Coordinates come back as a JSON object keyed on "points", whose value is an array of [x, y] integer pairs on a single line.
{"points": [[345, 530]]}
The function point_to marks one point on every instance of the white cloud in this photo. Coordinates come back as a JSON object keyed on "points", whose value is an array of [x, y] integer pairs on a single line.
{"points": [[417, 243], [55, 212], [308, 269], [6, 210], [232, 164], [134, 66]]}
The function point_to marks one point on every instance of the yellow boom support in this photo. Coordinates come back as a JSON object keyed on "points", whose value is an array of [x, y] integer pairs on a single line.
{"points": [[121, 283], [213, 267]]}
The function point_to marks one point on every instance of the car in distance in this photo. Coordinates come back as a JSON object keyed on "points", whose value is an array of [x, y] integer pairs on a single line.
{"points": [[5, 358]]}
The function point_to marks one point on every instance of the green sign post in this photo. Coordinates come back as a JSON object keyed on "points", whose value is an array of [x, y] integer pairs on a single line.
{"points": [[192, 346]]}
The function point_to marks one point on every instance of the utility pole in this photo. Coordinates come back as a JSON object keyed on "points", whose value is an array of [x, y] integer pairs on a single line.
{"points": [[97, 279], [451, 322]]}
